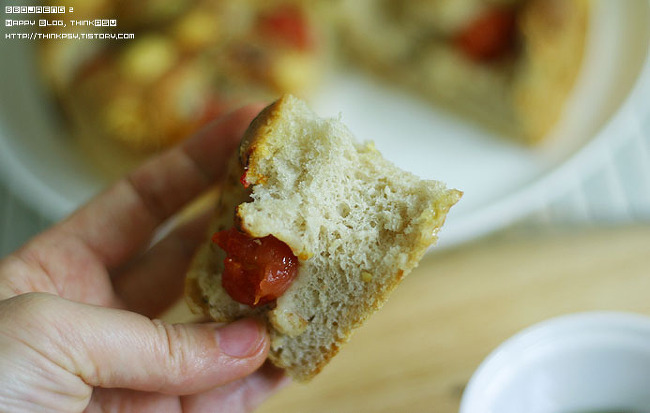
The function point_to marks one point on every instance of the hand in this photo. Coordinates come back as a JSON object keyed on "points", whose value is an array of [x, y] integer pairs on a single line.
{"points": [[77, 302]]}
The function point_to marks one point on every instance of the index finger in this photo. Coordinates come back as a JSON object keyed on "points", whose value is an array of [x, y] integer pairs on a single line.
{"points": [[121, 221]]}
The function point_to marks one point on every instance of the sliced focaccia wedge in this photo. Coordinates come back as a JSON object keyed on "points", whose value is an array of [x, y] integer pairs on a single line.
{"points": [[312, 232]]}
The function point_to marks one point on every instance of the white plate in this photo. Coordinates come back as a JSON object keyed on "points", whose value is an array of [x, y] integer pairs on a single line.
{"points": [[502, 181]]}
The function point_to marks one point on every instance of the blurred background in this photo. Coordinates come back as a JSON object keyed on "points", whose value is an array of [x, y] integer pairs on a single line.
{"points": [[537, 109]]}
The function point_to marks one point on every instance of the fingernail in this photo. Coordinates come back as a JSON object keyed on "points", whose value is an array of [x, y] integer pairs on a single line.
{"points": [[240, 338]]}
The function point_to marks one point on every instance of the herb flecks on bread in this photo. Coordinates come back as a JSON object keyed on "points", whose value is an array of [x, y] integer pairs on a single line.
{"points": [[357, 223]]}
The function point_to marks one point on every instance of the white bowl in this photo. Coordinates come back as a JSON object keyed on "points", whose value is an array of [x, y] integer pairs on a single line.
{"points": [[579, 363]]}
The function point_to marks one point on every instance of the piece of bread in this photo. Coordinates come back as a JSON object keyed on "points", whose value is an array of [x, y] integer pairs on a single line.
{"points": [[520, 93], [357, 223], [186, 66], [555, 36]]}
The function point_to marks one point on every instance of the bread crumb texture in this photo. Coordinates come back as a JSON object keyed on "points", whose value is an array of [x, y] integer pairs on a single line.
{"points": [[357, 223]]}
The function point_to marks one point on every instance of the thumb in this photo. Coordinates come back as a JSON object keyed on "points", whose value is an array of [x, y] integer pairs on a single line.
{"points": [[116, 348]]}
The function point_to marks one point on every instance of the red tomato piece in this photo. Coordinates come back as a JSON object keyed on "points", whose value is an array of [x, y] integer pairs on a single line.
{"points": [[490, 36], [242, 179], [257, 270], [287, 25]]}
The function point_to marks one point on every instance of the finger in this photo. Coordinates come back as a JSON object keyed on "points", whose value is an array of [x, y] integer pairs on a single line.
{"points": [[113, 348], [70, 259], [155, 281], [59, 265], [126, 400], [120, 222], [241, 396]]}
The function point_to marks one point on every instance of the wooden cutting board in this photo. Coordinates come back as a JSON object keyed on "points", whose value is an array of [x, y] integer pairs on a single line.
{"points": [[419, 351]]}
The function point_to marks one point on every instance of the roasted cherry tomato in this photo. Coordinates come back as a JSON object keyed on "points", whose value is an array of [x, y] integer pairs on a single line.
{"points": [[257, 270], [490, 36]]}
